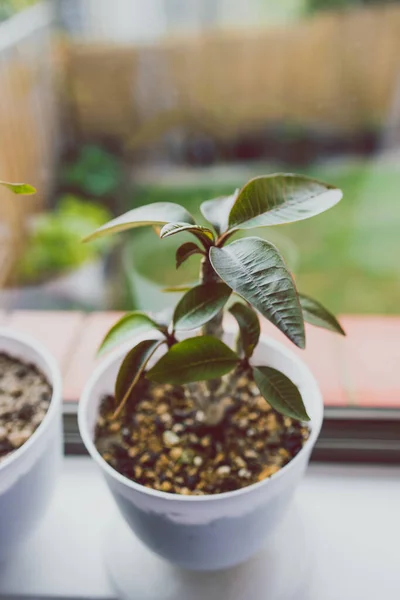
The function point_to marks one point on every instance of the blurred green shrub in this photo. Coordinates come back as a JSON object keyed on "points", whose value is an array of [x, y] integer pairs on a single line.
{"points": [[95, 172], [55, 247]]}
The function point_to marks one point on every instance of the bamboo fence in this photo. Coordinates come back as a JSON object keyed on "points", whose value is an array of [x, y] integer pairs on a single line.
{"points": [[335, 70]]}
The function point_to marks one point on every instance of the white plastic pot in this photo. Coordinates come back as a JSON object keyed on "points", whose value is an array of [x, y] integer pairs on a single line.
{"points": [[27, 475], [215, 531]]}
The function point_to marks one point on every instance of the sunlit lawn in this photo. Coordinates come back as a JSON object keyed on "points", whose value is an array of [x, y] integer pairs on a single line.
{"points": [[349, 257]]}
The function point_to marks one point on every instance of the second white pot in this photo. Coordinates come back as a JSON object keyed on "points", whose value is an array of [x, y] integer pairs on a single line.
{"points": [[28, 474], [215, 531]]}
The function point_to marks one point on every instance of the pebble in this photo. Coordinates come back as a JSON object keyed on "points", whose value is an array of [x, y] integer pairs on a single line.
{"points": [[166, 486], [17, 438], [175, 453], [114, 426], [3, 432], [170, 438], [200, 416], [244, 473], [197, 461], [166, 418], [251, 432], [224, 470], [178, 428], [268, 471], [240, 462]]}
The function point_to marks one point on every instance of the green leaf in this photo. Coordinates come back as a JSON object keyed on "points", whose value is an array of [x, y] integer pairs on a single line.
{"points": [[316, 314], [195, 359], [202, 233], [129, 325], [132, 367], [254, 269], [249, 327], [176, 289], [158, 213], [185, 251], [200, 304], [24, 189], [281, 198], [280, 392], [216, 211]]}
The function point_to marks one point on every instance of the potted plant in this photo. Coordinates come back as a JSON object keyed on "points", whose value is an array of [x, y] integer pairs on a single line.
{"points": [[203, 437], [54, 266], [30, 430]]}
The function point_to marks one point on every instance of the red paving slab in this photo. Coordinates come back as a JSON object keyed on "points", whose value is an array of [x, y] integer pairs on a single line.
{"points": [[370, 360], [322, 358], [360, 369], [56, 330], [83, 358]]}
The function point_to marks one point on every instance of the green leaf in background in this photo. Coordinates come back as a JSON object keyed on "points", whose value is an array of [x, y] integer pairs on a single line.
{"points": [[132, 367], [249, 326], [158, 213], [95, 172], [185, 251], [54, 242], [254, 269], [23, 189], [281, 198], [195, 359], [280, 392], [316, 314], [216, 211], [202, 233], [199, 305], [129, 325]]}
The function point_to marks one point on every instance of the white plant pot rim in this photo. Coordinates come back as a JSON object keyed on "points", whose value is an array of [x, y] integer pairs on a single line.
{"points": [[94, 453], [56, 383]]}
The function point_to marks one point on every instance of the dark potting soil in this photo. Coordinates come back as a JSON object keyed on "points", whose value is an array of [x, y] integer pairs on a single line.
{"points": [[160, 440], [25, 396]]}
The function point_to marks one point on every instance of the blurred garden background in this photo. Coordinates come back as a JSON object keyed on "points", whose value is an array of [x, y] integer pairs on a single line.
{"points": [[109, 104]]}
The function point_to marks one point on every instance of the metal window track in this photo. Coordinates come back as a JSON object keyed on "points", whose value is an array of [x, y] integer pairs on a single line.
{"points": [[348, 435]]}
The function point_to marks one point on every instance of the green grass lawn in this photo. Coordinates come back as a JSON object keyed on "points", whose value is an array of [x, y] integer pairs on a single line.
{"points": [[348, 257]]}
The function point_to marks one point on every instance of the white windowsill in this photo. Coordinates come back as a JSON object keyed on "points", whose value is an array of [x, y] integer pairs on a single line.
{"points": [[351, 515]]}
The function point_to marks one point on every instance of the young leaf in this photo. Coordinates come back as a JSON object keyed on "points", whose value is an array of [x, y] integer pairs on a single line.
{"points": [[184, 251], [216, 211], [281, 198], [199, 305], [195, 359], [280, 392], [254, 269], [158, 213], [24, 189], [202, 233], [315, 314], [129, 325], [249, 326], [132, 367]]}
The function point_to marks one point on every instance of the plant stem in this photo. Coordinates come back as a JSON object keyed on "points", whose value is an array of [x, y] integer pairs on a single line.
{"points": [[211, 403], [208, 275]]}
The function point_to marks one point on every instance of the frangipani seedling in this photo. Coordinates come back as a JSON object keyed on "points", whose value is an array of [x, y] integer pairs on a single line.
{"points": [[251, 268]]}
